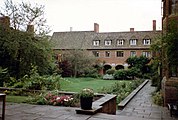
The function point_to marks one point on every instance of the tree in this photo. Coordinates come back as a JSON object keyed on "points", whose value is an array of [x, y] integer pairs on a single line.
{"points": [[23, 14], [20, 50], [66, 68], [79, 60], [139, 63], [170, 49]]}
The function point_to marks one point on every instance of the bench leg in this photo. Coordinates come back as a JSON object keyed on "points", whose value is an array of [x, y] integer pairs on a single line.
{"points": [[171, 112]]}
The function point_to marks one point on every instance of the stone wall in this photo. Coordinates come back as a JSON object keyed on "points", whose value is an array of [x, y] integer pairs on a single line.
{"points": [[170, 90]]}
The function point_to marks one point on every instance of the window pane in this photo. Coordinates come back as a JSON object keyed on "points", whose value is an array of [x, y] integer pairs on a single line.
{"points": [[107, 42], [120, 42], [146, 41], [132, 53], [96, 53], [96, 42], [146, 54], [133, 42], [120, 54], [107, 54]]}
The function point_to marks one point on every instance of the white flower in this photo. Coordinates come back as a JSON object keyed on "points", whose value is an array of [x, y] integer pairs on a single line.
{"points": [[58, 98]]}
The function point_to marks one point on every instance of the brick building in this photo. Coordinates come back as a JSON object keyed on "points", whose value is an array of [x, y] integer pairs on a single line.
{"points": [[170, 80], [111, 48]]}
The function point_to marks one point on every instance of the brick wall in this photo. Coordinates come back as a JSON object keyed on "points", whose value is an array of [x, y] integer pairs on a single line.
{"points": [[117, 60]]}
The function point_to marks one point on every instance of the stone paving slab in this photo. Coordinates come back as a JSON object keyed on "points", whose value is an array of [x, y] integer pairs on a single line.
{"points": [[101, 116]]}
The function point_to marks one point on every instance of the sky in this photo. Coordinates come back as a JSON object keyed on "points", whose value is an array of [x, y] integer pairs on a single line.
{"points": [[111, 15]]}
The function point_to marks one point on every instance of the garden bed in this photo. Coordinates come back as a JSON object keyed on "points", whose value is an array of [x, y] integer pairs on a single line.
{"points": [[120, 88]]}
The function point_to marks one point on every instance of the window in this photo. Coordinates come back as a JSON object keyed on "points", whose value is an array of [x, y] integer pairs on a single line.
{"points": [[96, 53], [133, 42], [132, 53], [146, 53], [107, 42], [107, 54], [96, 42], [146, 41], [120, 42], [174, 7], [120, 53]]}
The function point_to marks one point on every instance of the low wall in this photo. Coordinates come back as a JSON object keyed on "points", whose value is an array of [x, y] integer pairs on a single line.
{"points": [[124, 102]]}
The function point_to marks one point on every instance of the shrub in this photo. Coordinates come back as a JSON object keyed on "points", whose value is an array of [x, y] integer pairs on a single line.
{"points": [[42, 82], [120, 74], [66, 68], [36, 82], [108, 77], [4, 76], [90, 72], [121, 89], [110, 71], [158, 98], [87, 92]]}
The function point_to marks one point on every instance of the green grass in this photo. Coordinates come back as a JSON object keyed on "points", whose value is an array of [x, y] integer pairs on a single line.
{"points": [[16, 99], [77, 84]]}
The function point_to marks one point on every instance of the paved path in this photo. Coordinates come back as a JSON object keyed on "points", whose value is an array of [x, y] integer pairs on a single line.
{"points": [[140, 108]]}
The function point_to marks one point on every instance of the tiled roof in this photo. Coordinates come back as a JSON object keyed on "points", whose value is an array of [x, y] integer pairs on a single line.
{"points": [[84, 39]]}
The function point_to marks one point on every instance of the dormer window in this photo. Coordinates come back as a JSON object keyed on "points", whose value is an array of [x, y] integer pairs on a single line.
{"points": [[146, 41], [133, 41], [96, 42], [120, 42], [107, 42]]}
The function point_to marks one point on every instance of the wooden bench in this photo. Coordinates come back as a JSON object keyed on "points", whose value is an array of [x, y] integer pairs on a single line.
{"points": [[3, 99], [173, 108]]}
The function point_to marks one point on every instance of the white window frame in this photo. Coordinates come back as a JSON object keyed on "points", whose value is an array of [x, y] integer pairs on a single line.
{"points": [[96, 42], [133, 41], [119, 54], [120, 42], [96, 53], [146, 54], [133, 55], [107, 42], [107, 52], [146, 42]]}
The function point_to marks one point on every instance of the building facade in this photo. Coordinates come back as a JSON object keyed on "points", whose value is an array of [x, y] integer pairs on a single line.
{"points": [[111, 48], [170, 78]]}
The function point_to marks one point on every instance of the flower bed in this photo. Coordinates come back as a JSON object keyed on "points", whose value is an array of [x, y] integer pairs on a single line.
{"points": [[58, 99], [62, 100]]}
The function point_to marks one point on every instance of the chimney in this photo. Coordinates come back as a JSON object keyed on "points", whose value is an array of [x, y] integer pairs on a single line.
{"points": [[154, 25], [5, 21], [96, 27], [70, 29], [30, 29], [131, 29]]}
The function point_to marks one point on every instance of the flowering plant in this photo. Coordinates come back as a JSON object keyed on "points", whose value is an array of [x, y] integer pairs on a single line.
{"points": [[62, 100], [87, 92]]}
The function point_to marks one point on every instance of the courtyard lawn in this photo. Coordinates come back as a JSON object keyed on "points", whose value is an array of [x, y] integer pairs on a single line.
{"points": [[77, 84], [16, 99]]}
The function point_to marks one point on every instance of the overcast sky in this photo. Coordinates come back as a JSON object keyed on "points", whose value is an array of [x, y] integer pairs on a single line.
{"points": [[111, 15]]}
